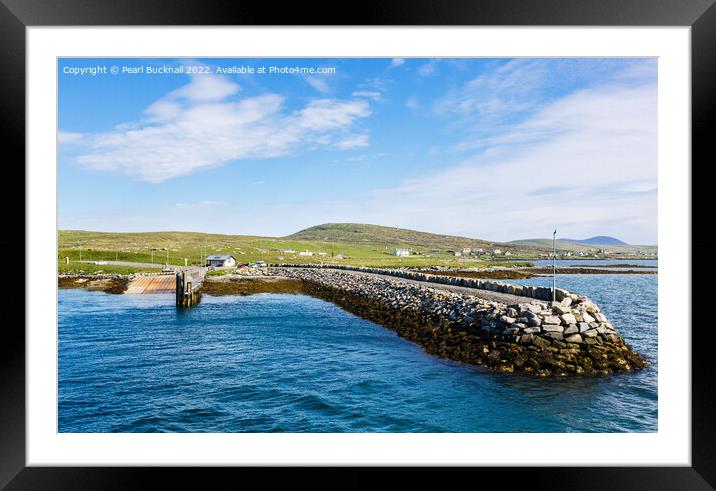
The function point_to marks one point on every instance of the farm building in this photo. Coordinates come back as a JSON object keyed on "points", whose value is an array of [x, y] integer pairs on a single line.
{"points": [[401, 252], [221, 260], [305, 253]]}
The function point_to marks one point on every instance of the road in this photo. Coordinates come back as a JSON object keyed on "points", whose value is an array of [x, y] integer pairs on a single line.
{"points": [[490, 296]]}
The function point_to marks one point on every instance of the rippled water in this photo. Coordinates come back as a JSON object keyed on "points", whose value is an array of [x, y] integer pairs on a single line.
{"points": [[292, 363], [592, 263]]}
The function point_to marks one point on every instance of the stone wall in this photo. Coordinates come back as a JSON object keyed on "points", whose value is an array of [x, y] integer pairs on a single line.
{"points": [[537, 292], [568, 337]]}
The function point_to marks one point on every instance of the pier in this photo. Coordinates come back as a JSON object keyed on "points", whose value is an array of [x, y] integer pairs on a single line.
{"points": [[188, 286]]}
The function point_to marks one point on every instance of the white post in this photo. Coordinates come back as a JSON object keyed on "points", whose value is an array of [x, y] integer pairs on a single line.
{"points": [[554, 266]]}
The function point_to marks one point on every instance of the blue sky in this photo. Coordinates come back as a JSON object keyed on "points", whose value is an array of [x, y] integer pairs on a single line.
{"points": [[499, 149]]}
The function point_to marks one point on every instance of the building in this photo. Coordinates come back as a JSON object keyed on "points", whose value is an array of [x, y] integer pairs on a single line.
{"points": [[221, 260], [466, 250], [497, 252], [401, 252], [457, 253], [323, 254], [305, 253], [508, 253]]}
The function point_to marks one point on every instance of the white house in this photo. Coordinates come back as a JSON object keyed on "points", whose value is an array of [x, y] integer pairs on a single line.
{"points": [[466, 250], [305, 253], [221, 260], [401, 252], [497, 252]]}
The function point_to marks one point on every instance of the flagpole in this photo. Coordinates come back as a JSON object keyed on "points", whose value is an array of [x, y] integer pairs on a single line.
{"points": [[554, 266]]}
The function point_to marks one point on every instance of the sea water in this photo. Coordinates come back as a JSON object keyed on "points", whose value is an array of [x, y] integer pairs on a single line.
{"points": [[293, 363]]}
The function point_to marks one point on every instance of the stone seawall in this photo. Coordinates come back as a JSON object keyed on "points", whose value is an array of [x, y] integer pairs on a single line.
{"points": [[568, 337], [537, 292]]}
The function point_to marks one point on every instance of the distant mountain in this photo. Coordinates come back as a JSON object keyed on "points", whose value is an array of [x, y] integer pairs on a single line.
{"points": [[359, 233], [597, 240]]}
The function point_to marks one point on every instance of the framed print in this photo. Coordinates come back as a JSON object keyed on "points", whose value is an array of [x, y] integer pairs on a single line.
{"points": [[427, 237]]}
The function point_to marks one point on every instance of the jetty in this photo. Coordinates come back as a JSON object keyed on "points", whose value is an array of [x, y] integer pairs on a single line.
{"points": [[188, 286], [504, 327], [185, 283]]}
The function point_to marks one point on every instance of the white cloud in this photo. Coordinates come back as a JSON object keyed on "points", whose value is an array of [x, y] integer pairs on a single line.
{"points": [[428, 68], [319, 84], [201, 204], [331, 114], [412, 103], [368, 94], [204, 88], [353, 141], [507, 89], [395, 62], [199, 126], [66, 137], [591, 170], [596, 147]]}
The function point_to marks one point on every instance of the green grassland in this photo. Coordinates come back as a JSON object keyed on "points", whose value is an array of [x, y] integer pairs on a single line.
{"points": [[89, 268], [359, 245]]}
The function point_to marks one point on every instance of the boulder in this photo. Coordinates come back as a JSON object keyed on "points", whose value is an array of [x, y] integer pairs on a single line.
{"points": [[526, 338], [552, 328], [532, 330], [554, 335], [507, 320], [568, 319], [530, 307], [540, 342], [574, 338], [588, 318], [561, 309], [571, 329], [551, 319]]}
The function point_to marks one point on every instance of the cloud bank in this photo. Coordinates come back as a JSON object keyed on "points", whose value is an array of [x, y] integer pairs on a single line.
{"points": [[201, 125]]}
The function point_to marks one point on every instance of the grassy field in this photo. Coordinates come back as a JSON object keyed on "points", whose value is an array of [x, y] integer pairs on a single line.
{"points": [[177, 247], [88, 268]]}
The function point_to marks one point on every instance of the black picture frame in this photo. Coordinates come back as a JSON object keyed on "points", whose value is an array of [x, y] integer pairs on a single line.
{"points": [[17, 15]]}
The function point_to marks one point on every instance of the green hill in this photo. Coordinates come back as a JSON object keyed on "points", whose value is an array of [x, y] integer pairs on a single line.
{"points": [[358, 233]]}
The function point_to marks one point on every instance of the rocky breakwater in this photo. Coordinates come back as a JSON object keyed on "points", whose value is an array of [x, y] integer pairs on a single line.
{"points": [[568, 337]]}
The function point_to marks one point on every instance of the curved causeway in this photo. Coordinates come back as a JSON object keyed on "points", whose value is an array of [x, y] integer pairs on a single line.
{"points": [[504, 327]]}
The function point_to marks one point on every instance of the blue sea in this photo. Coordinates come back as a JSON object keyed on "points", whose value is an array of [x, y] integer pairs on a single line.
{"points": [[293, 363]]}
